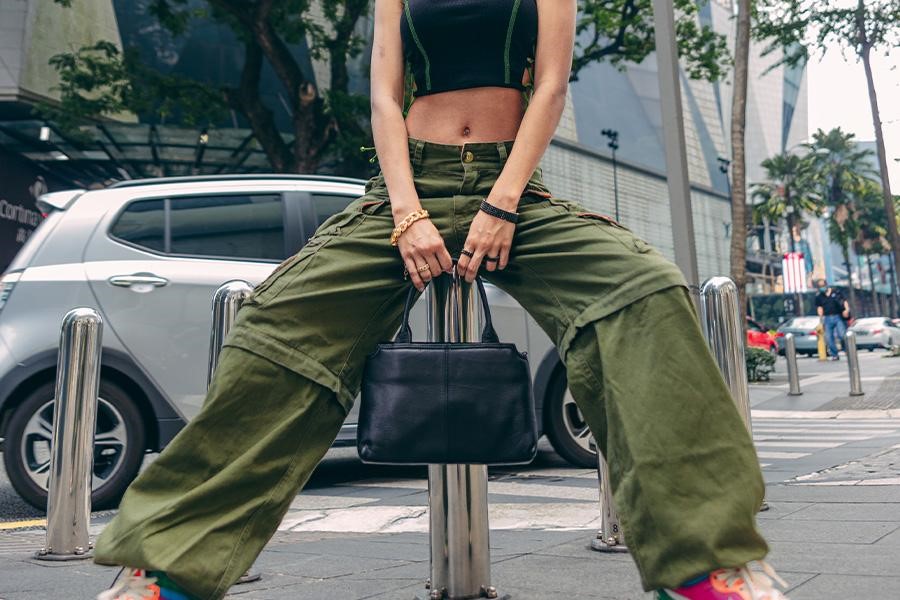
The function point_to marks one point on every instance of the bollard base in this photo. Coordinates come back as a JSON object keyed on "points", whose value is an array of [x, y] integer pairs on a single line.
{"points": [[44, 554], [486, 592], [249, 577], [610, 545]]}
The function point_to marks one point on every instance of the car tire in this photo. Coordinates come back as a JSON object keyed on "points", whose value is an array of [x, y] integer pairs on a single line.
{"points": [[563, 423], [117, 456]]}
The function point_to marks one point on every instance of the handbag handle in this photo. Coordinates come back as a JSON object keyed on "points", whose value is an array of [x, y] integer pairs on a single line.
{"points": [[488, 334]]}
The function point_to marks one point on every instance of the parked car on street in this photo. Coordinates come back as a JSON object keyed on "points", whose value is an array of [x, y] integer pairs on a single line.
{"points": [[875, 332], [806, 340], [148, 255], [759, 337]]}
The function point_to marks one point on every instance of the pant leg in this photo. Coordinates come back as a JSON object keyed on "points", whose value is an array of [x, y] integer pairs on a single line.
{"points": [[830, 334], [840, 332], [683, 468], [288, 374]]}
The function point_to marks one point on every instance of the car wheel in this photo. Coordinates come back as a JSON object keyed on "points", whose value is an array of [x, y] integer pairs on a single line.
{"points": [[118, 446], [565, 426]]}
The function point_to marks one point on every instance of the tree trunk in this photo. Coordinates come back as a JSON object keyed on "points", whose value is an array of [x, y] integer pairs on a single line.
{"points": [[851, 292], [738, 159], [865, 53], [876, 305]]}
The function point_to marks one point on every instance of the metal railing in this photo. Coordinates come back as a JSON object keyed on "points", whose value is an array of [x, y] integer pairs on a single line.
{"points": [[226, 303], [457, 494], [853, 364], [72, 444], [721, 316], [790, 356], [610, 537]]}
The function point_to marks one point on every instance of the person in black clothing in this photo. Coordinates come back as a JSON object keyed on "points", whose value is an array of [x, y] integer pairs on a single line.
{"points": [[832, 308]]}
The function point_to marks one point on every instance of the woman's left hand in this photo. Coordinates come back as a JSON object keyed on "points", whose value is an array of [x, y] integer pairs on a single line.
{"points": [[488, 236]]}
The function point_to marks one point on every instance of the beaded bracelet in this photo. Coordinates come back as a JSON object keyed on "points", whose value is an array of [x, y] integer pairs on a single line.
{"points": [[405, 223]]}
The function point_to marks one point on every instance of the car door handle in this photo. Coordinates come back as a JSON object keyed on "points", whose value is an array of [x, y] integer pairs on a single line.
{"points": [[138, 279]]}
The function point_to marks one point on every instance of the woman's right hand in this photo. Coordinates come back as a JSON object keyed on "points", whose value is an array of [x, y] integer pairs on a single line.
{"points": [[421, 244]]}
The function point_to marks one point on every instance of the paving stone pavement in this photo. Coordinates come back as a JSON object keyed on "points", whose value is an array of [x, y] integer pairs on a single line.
{"points": [[828, 541]]}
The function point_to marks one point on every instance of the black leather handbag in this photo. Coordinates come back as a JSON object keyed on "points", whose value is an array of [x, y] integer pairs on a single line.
{"points": [[447, 402]]}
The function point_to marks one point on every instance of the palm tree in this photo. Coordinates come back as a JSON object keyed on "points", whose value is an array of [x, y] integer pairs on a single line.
{"points": [[872, 236], [838, 167], [788, 193]]}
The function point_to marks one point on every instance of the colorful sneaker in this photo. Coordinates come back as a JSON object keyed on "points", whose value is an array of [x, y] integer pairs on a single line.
{"points": [[138, 584], [132, 584], [730, 584]]}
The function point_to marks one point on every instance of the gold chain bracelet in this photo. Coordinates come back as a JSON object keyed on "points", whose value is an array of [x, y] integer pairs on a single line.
{"points": [[405, 223]]}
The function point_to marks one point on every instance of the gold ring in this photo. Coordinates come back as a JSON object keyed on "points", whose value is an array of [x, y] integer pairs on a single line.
{"points": [[423, 268]]}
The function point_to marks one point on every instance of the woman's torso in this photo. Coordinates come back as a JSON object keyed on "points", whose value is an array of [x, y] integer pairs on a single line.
{"points": [[467, 57]]}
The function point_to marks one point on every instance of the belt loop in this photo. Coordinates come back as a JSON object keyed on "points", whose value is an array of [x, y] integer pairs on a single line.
{"points": [[501, 150], [417, 155]]}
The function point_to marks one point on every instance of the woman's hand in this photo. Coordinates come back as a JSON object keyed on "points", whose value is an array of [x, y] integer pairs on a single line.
{"points": [[420, 245], [488, 236]]}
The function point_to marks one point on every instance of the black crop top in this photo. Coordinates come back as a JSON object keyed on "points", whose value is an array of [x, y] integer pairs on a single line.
{"points": [[455, 44]]}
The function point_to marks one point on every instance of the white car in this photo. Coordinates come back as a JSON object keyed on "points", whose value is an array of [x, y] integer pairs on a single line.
{"points": [[148, 255], [875, 332]]}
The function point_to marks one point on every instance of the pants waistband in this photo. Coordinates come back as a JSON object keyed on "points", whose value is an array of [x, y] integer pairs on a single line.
{"points": [[455, 157]]}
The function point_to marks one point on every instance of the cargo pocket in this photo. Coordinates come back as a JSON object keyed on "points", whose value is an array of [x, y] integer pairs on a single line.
{"points": [[610, 226], [328, 230]]}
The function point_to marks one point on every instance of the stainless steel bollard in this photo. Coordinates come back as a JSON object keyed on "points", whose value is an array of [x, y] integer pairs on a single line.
{"points": [[610, 538], [790, 355], [72, 451], [853, 364], [226, 303], [457, 494], [721, 318]]}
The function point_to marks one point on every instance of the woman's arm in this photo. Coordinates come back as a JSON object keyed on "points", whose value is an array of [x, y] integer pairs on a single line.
{"points": [[421, 244], [388, 127], [489, 235]]}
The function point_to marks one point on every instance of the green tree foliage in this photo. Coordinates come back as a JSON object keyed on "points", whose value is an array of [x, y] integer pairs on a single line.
{"points": [[100, 81], [839, 168], [787, 193], [797, 29]]}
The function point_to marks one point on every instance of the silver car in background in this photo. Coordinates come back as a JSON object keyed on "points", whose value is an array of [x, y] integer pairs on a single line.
{"points": [[805, 337], [148, 255], [875, 332]]}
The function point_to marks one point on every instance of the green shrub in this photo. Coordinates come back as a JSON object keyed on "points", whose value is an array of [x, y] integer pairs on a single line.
{"points": [[760, 363]]}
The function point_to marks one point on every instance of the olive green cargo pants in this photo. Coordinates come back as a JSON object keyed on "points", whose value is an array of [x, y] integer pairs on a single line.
{"points": [[683, 468]]}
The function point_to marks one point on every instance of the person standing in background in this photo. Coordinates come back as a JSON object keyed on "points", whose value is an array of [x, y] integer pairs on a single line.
{"points": [[832, 309]]}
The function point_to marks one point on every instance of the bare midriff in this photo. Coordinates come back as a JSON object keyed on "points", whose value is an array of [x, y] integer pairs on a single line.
{"points": [[482, 114]]}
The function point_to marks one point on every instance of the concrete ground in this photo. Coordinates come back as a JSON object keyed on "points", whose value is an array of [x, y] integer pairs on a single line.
{"points": [[831, 462]]}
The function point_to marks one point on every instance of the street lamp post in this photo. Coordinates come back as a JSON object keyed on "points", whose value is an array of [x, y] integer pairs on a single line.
{"points": [[613, 144]]}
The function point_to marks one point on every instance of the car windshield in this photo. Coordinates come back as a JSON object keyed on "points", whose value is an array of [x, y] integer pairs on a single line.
{"points": [[802, 323]]}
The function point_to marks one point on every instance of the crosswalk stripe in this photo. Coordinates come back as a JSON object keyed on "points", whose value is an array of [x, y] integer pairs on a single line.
{"points": [[814, 430], [781, 444], [767, 454], [813, 438]]}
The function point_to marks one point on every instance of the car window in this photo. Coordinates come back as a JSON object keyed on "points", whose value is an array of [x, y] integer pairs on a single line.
{"points": [[143, 224], [802, 323], [229, 226], [325, 205], [753, 326]]}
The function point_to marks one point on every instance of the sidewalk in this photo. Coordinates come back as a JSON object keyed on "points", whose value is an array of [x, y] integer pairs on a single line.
{"points": [[832, 463], [829, 539]]}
